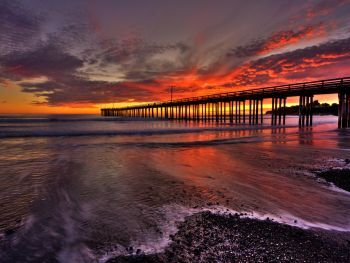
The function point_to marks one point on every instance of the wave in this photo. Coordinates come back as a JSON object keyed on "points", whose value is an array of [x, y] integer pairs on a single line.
{"points": [[63, 119], [292, 136], [96, 118], [177, 213], [74, 133]]}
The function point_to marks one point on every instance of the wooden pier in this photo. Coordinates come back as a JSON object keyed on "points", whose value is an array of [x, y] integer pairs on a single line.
{"points": [[246, 107]]}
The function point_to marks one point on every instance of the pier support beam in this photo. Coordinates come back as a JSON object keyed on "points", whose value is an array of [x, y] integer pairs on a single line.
{"points": [[214, 107], [305, 110], [344, 110], [278, 111]]}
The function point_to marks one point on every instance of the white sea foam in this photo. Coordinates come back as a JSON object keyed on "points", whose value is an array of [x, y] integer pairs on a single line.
{"points": [[176, 214]]}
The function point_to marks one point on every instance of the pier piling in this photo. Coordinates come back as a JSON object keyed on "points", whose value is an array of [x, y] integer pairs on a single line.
{"points": [[214, 107]]}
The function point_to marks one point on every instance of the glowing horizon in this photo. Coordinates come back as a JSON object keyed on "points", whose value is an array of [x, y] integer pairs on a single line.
{"points": [[57, 60]]}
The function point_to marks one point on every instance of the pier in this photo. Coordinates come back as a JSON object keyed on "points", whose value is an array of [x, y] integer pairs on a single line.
{"points": [[246, 106]]}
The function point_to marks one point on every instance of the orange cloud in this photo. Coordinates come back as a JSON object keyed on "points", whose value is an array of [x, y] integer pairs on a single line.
{"points": [[299, 65], [282, 39], [279, 40]]}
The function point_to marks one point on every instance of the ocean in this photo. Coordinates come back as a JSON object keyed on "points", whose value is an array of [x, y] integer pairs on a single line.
{"points": [[84, 188]]}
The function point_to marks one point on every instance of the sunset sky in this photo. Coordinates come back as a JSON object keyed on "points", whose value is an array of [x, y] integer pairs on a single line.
{"points": [[77, 56]]}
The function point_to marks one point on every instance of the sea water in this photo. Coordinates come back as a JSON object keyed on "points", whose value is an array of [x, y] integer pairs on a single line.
{"points": [[83, 188]]}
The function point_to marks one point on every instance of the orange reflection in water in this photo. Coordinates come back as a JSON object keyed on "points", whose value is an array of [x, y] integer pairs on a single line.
{"points": [[265, 177]]}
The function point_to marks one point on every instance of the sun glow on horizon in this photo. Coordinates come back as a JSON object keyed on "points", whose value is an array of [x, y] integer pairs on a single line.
{"points": [[113, 55]]}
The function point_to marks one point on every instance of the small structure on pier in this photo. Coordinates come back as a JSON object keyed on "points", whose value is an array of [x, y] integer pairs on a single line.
{"points": [[246, 107]]}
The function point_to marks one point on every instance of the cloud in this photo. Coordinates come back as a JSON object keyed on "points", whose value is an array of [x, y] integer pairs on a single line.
{"points": [[67, 84], [66, 80], [324, 7], [19, 28], [64, 83], [86, 92], [295, 63], [47, 59], [277, 40], [69, 65], [134, 59]]}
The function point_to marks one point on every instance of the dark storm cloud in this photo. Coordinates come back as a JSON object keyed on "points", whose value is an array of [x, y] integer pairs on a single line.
{"points": [[47, 59], [68, 84], [18, 26], [119, 51], [78, 90], [137, 58]]}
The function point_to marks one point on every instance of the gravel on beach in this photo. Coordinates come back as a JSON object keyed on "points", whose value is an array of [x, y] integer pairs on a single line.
{"points": [[208, 237]]}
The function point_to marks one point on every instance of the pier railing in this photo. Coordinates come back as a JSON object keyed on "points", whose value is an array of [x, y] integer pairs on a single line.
{"points": [[214, 107]]}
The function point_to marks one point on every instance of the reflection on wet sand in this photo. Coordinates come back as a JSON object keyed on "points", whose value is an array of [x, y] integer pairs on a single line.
{"points": [[101, 193]]}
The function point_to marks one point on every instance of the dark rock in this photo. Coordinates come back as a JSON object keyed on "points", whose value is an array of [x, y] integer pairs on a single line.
{"points": [[10, 231], [340, 178]]}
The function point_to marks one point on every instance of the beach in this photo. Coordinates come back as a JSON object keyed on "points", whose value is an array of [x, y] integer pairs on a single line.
{"points": [[93, 189], [208, 237]]}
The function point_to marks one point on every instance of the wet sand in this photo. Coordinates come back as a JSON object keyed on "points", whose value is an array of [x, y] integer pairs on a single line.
{"points": [[94, 197], [209, 237]]}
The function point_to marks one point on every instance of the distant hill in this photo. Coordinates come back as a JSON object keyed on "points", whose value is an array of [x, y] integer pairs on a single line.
{"points": [[317, 108]]}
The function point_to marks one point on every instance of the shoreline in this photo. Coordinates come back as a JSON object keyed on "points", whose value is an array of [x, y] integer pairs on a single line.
{"points": [[339, 177], [208, 237], [204, 235]]}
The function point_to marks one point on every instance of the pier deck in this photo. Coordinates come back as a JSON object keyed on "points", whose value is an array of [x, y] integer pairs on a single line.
{"points": [[246, 106]]}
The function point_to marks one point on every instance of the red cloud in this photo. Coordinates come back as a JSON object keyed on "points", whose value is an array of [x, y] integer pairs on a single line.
{"points": [[277, 67], [278, 40], [287, 67], [285, 38], [325, 7], [65, 86], [298, 65]]}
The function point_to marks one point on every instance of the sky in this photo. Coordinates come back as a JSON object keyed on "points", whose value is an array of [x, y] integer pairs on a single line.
{"points": [[78, 56]]}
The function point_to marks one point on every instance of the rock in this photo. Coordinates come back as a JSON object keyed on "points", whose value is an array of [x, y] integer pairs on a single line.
{"points": [[10, 231]]}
